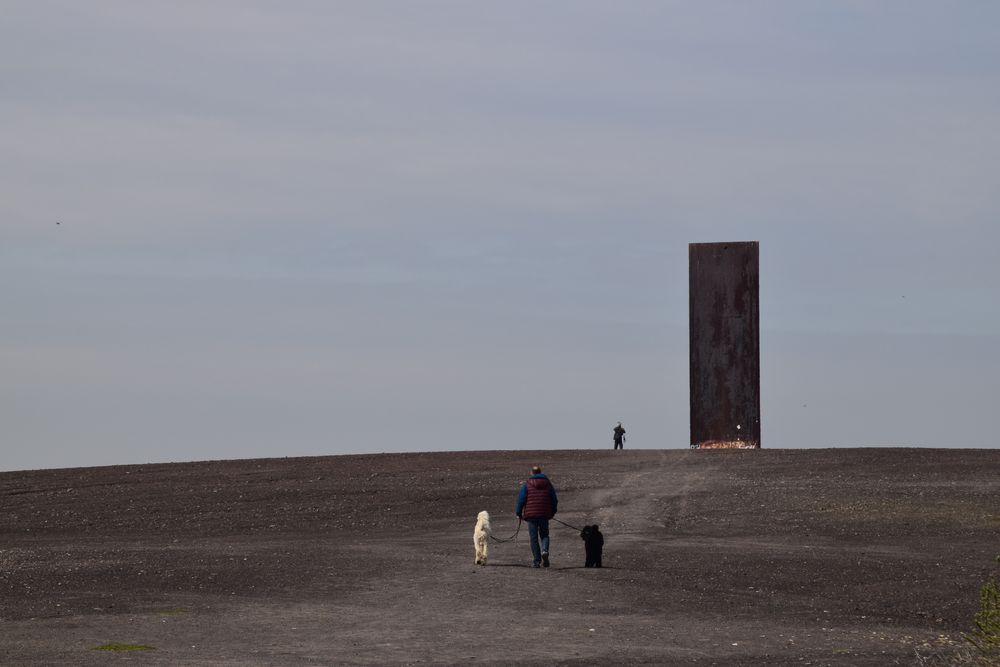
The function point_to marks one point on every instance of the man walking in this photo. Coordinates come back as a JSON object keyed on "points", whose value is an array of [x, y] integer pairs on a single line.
{"points": [[536, 504], [619, 434]]}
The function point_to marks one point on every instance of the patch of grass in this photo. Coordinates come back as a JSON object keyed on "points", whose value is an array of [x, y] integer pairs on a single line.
{"points": [[118, 646], [174, 611], [986, 636]]}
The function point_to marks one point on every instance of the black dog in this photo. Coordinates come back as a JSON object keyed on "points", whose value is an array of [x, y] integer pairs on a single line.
{"points": [[594, 543]]}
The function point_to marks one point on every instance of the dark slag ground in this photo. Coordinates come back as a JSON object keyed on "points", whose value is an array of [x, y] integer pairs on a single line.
{"points": [[770, 557]]}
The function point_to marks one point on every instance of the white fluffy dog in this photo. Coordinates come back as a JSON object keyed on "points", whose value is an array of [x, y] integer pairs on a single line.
{"points": [[481, 537]]}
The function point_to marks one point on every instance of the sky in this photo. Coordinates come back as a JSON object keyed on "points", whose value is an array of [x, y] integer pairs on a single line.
{"points": [[262, 229]]}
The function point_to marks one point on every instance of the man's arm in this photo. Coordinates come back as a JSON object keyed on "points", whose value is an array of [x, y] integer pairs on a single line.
{"points": [[521, 498]]}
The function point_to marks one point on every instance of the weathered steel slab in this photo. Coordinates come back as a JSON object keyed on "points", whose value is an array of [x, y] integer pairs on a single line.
{"points": [[724, 286]]}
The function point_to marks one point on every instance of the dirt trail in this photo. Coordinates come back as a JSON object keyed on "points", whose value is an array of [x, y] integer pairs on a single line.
{"points": [[633, 507]]}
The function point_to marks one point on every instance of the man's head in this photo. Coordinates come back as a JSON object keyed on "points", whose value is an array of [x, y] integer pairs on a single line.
{"points": [[536, 470]]}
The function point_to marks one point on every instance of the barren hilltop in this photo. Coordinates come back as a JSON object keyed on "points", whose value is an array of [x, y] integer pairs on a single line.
{"points": [[769, 557]]}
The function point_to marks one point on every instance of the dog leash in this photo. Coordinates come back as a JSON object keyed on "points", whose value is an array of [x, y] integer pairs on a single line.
{"points": [[512, 537], [566, 524]]}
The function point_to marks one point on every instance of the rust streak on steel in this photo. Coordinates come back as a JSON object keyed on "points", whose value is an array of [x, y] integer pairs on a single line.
{"points": [[724, 294]]}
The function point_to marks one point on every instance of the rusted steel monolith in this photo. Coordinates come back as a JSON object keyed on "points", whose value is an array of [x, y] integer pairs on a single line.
{"points": [[725, 344]]}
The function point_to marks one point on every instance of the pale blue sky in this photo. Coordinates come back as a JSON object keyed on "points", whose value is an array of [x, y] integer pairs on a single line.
{"points": [[295, 228]]}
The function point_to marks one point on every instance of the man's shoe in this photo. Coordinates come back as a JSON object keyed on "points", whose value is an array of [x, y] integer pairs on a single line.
{"points": [[545, 559], [534, 565]]}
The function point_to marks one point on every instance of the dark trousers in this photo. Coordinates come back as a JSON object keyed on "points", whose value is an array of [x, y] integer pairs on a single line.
{"points": [[618, 444], [538, 531]]}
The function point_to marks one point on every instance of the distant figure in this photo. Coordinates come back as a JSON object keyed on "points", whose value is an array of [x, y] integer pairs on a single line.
{"points": [[536, 504], [619, 436]]}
